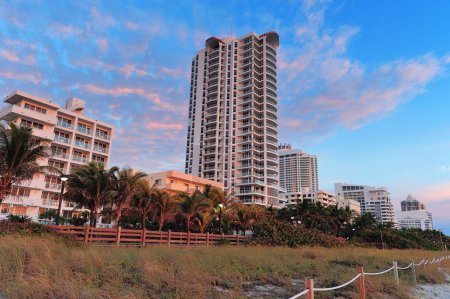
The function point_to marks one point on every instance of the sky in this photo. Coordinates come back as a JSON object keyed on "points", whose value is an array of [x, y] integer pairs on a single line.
{"points": [[364, 85]]}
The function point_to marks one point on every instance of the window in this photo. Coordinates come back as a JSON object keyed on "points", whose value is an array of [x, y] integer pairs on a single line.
{"points": [[35, 108], [30, 124], [157, 182]]}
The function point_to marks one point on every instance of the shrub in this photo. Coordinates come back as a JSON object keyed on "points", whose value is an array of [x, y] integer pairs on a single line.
{"points": [[23, 228], [279, 233]]}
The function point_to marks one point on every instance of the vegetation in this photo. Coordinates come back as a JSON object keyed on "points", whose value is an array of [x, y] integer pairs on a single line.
{"points": [[45, 267], [20, 153]]}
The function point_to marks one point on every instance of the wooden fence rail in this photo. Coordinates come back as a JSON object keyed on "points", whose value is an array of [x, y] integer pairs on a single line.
{"points": [[141, 237]]}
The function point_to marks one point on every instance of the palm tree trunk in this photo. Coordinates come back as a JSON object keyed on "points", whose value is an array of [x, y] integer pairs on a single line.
{"points": [[144, 220], [188, 218], [118, 216]]}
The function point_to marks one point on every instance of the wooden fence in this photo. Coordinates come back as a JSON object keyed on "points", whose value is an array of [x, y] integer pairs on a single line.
{"points": [[141, 237]]}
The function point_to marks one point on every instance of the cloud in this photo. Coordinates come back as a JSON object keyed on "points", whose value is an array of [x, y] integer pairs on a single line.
{"points": [[177, 72], [328, 89], [10, 56], [58, 30], [152, 96], [102, 44], [129, 69], [445, 168], [153, 125], [34, 78]]}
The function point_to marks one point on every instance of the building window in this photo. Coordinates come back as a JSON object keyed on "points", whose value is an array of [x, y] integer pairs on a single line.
{"points": [[30, 124], [35, 108]]}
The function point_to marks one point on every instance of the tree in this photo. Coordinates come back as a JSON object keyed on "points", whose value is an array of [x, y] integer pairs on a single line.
{"points": [[203, 219], [190, 204], [92, 186], [20, 153], [127, 185], [365, 221], [165, 208], [143, 200]]}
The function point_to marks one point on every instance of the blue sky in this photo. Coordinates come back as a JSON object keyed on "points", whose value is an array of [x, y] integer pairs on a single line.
{"points": [[363, 84]]}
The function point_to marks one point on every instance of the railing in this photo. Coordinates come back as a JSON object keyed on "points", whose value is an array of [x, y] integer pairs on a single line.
{"points": [[138, 237], [103, 136], [310, 289], [99, 149], [82, 144], [80, 159], [60, 155], [54, 186], [62, 139], [64, 124], [84, 130]]}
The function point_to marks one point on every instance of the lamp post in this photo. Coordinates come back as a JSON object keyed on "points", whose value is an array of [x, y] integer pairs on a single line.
{"points": [[63, 178], [220, 217]]}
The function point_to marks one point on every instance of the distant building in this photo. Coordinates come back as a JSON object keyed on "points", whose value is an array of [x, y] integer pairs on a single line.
{"points": [[174, 182], [306, 194], [75, 140], [372, 200], [414, 214], [415, 219], [411, 204], [354, 205], [298, 170]]}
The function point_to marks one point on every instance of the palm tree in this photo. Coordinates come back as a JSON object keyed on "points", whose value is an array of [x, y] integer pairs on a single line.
{"points": [[165, 208], [143, 199], [127, 185], [190, 204], [92, 186], [203, 219], [20, 153], [244, 219]]}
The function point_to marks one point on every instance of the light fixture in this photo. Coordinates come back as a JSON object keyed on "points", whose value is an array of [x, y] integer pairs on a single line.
{"points": [[64, 177]]}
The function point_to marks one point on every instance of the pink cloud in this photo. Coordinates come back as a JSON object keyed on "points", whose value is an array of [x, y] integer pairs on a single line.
{"points": [[328, 89], [129, 69], [154, 125], [63, 31], [177, 72], [9, 56], [35, 78], [102, 44]]}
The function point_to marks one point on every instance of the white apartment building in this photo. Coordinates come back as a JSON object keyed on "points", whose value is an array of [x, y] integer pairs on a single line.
{"points": [[413, 214], [233, 116], [354, 205], [298, 170], [372, 200], [306, 194], [75, 140]]}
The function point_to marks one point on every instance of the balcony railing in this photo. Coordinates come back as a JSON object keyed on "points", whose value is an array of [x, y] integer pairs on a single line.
{"points": [[60, 155], [80, 159], [101, 135], [49, 202], [82, 144], [62, 139], [64, 124], [84, 130], [99, 149], [54, 186]]}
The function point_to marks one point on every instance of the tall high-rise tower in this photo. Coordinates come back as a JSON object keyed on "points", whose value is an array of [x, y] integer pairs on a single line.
{"points": [[298, 170], [233, 116]]}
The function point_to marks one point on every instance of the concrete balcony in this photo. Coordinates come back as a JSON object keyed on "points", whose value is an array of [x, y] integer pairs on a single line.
{"points": [[12, 112]]}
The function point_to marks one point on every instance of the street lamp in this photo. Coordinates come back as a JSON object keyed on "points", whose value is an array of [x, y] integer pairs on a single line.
{"points": [[63, 178], [220, 217]]}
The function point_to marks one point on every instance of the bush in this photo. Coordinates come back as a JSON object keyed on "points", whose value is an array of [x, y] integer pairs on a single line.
{"points": [[23, 228], [279, 233]]}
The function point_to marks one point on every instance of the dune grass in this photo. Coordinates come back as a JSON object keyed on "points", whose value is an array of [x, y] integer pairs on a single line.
{"points": [[45, 267]]}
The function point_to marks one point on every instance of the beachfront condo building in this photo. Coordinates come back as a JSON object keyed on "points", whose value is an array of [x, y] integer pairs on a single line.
{"points": [[372, 200], [75, 139], [298, 170], [414, 214], [232, 133]]}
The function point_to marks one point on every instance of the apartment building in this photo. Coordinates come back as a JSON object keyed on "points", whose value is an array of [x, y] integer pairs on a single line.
{"points": [[306, 194], [175, 182], [354, 205], [75, 139], [298, 170], [372, 200], [414, 214], [233, 116]]}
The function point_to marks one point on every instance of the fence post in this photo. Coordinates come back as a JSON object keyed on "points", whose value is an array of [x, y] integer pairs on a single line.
{"points": [[118, 233], [396, 273], [188, 238], [309, 284], [413, 269], [207, 239], [169, 232], [86, 234], [362, 287], [144, 236]]}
